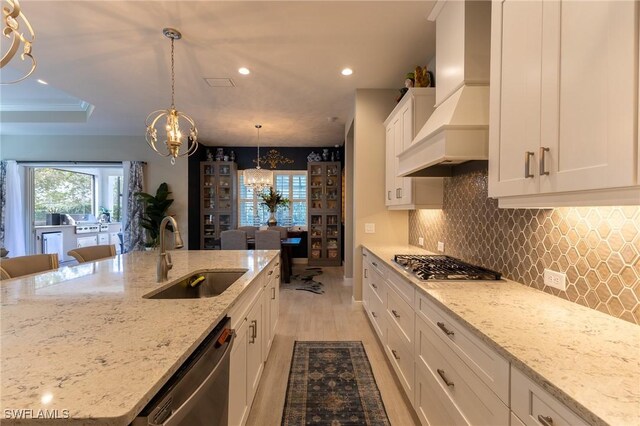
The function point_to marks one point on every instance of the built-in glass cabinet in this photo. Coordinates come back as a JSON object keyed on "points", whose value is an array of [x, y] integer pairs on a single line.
{"points": [[218, 200]]}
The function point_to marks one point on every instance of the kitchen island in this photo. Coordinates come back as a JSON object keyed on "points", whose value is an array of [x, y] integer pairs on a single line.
{"points": [[586, 360], [82, 343]]}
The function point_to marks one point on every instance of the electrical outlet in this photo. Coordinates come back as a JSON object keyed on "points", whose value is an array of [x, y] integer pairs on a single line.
{"points": [[369, 228], [555, 279], [421, 241], [440, 246]]}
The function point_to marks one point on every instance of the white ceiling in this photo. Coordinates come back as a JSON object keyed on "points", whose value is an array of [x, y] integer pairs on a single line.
{"points": [[112, 54]]}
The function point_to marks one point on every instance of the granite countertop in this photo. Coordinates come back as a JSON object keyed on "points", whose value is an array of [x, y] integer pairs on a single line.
{"points": [[588, 360], [83, 338]]}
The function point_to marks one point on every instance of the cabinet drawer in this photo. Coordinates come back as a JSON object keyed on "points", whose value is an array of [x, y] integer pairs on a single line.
{"points": [[487, 364], [377, 284], [401, 358], [378, 265], [401, 315], [433, 406], [515, 421], [405, 289], [462, 386], [377, 315], [533, 405]]}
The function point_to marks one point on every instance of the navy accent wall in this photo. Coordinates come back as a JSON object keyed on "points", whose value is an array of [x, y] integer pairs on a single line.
{"points": [[245, 157]]}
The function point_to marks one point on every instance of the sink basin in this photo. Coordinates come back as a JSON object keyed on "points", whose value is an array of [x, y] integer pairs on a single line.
{"points": [[213, 284]]}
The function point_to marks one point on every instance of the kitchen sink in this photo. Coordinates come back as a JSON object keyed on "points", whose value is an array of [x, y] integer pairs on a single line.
{"points": [[195, 286]]}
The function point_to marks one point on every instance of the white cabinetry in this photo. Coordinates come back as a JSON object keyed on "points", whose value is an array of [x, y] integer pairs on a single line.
{"points": [[271, 305], [254, 318], [406, 119], [87, 241], [564, 103], [533, 406]]}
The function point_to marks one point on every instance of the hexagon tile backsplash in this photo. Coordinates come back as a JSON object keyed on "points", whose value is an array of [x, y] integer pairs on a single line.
{"points": [[597, 247]]}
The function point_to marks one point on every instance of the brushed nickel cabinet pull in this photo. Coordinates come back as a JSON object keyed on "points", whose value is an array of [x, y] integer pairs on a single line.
{"points": [[273, 293], [395, 314], [365, 273], [374, 264], [543, 151], [373, 314], [374, 286], [364, 254], [251, 334], [445, 329], [255, 329], [400, 189], [270, 272], [395, 354], [545, 420], [444, 378], [389, 195], [397, 192], [527, 164]]}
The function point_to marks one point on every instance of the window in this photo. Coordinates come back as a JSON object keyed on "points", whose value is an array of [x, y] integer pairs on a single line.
{"points": [[292, 185], [62, 191], [115, 187]]}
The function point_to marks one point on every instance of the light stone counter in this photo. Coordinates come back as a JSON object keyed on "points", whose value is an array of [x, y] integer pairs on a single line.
{"points": [[588, 360], [83, 338]]}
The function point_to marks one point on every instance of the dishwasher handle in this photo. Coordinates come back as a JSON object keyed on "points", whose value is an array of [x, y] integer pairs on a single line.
{"points": [[196, 395]]}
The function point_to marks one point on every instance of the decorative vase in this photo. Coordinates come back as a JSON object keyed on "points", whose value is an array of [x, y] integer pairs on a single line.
{"points": [[272, 219]]}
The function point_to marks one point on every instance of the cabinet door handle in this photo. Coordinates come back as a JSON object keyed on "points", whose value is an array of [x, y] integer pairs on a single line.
{"points": [[445, 329], [270, 272], [374, 286], [397, 192], [545, 420], [395, 354], [273, 293], [251, 334], [365, 273], [364, 254], [278, 276], [527, 164], [395, 314], [373, 314], [374, 264], [389, 195], [444, 378], [400, 189], [543, 151]]}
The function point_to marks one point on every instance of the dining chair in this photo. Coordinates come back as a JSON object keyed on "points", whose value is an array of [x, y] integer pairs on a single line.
{"points": [[91, 253], [250, 230], [24, 265], [267, 240], [284, 232], [233, 239]]}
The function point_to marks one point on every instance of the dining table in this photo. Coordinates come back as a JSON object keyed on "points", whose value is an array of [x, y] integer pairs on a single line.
{"points": [[287, 258]]}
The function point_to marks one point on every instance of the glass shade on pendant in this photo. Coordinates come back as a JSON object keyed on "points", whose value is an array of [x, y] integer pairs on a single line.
{"points": [[258, 179]]}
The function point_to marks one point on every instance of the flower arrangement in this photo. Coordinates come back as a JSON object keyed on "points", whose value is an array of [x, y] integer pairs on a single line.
{"points": [[273, 199]]}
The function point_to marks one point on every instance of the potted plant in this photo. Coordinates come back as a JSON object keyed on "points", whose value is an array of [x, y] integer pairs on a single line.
{"points": [[155, 209], [273, 199]]}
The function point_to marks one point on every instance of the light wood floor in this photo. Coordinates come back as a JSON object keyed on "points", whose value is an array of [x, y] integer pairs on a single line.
{"points": [[331, 316]]}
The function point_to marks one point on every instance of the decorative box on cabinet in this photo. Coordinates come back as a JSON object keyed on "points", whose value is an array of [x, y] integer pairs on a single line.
{"points": [[324, 213], [402, 125], [559, 135], [218, 200]]}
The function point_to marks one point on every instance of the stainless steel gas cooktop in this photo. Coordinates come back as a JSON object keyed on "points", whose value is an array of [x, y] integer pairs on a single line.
{"points": [[439, 267]]}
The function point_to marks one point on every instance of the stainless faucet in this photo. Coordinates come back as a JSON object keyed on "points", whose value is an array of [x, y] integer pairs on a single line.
{"points": [[164, 259]]}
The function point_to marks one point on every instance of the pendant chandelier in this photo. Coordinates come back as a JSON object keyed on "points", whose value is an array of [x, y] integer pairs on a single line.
{"points": [[173, 117], [258, 179], [12, 15]]}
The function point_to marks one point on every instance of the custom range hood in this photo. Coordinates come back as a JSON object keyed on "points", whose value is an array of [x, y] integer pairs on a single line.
{"points": [[458, 130]]}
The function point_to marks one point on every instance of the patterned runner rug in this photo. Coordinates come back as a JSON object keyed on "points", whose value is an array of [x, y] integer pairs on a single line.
{"points": [[331, 383]]}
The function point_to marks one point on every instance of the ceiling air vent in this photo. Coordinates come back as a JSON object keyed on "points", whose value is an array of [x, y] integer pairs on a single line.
{"points": [[220, 82]]}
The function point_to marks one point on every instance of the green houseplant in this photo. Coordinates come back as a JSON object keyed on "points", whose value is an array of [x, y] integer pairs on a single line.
{"points": [[155, 209], [273, 199]]}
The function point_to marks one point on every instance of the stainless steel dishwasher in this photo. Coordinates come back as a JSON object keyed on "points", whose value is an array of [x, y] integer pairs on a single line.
{"points": [[198, 393]]}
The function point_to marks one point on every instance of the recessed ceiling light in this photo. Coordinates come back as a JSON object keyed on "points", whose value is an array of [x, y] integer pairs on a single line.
{"points": [[41, 81], [347, 71], [244, 71]]}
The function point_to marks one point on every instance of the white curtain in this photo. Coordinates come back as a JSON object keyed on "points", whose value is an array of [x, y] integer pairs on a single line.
{"points": [[132, 207], [13, 211]]}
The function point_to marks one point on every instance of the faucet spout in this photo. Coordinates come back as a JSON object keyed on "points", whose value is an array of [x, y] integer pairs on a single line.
{"points": [[164, 258]]}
